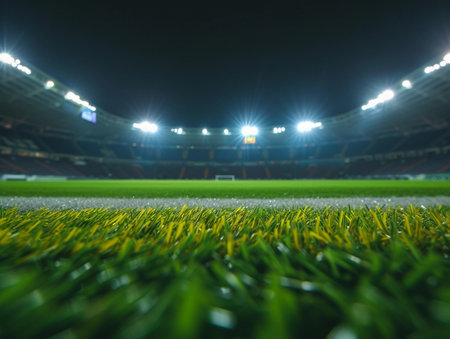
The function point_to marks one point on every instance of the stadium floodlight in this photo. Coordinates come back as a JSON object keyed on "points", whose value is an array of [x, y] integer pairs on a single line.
{"points": [[277, 130], [24, 69], [177, 130], [307, 126], [146, 126], [387, 95], [205, 131], [407, 84], [226, 131], [447, 58], [249, 131], [76, 99], [49, 84], [383, 97], [9, 60]]}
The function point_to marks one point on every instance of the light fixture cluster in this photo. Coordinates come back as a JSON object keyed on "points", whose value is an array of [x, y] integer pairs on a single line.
{"points": [[249, 131], [246, 131], [9, 60], [389, 94], [49, 84], [16, 63], [382, 97], [71, 96], [407, 84], [307, 126], [146, 126], [178, 131], [278, 130], [444, 62]]}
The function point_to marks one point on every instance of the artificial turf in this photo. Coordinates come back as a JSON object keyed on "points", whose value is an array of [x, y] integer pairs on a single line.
{"points": [[195, 272], [226, 189], [245, 273]]}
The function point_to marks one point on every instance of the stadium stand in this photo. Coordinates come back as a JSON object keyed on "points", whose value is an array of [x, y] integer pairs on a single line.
{"points": [[46, 136], [330, 151], [61, 145], [257, 163], [194, 172], [225, 155], [170, 154], [356, 148], [279, 154], [196, 154], [92, 148], [121, 151]]}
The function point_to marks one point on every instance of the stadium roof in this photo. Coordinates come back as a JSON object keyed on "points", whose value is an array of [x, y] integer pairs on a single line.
{"points": [[30, 98]]}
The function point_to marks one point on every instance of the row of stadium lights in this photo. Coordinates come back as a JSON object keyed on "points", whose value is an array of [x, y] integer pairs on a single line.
{"points": [[146, 126], [15, 63], [246, 131], [444, 62], [386, 95], [304, 126], [71, 96], [390, 94]]}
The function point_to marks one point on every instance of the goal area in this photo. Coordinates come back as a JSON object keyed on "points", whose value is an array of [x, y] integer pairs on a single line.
{"points": [[226, 177]]}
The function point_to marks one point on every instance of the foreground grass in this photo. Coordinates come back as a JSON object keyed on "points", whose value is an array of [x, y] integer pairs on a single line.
{"points": [[258, 273], [236, 189]]}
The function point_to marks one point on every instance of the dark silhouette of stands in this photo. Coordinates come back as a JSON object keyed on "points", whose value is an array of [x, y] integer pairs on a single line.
{"points": [[427, 152]]}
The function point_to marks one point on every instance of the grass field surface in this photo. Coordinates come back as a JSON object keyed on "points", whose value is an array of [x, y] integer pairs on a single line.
{"points": [[216, 273], [228, 189], [248, 273]]}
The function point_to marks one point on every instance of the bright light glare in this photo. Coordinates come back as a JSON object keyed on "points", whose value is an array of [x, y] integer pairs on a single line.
{"points": [[277, 130], [205, 131], [407, 84], [385, 96], [8, 59], [49, 84], [146, 126], [248, 131], [447, 58], [24, 69], [226, 131], [177, 130], [307, 126], [76, 99]]}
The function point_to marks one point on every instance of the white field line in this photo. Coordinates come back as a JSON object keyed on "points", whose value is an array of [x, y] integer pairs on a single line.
{"points": [[55, 203]]}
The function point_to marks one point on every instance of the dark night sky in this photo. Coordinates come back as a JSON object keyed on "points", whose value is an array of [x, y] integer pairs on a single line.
{"points": [[189, 64]]}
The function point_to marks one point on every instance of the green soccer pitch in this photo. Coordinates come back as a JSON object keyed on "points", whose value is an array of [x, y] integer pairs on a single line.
{"points": [[194, 272], [226, 189]]}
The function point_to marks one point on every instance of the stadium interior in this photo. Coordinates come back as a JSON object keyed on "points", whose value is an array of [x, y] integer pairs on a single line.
{"points": [[47, 130]]}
